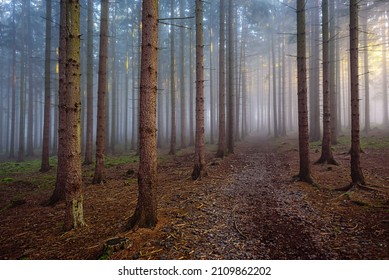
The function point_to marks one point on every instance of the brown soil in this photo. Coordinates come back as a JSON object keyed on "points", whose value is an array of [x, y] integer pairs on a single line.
{"points": [[248, 208]]}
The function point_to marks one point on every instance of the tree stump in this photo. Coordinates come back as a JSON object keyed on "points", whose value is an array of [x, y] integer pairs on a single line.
{"points": [[115, 245]]}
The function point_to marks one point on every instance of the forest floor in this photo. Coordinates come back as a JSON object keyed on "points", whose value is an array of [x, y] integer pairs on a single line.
{"points": [[249, 207]]}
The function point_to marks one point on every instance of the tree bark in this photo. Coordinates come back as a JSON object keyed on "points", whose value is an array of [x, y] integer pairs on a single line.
{"points": [[366, 71], [45, 165], [333, 92], [22, 96], [182, 79], [305, 169], [356, 171], [326, 151], [199, 169], [146, 210], [314, 79], [89, 88], [101, 95], [59, 191], [74, 214], [231, 80], [173, 131], [222, 145]]}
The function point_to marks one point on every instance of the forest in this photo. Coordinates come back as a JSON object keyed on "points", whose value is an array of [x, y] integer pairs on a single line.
{"points": [[191, 129]]}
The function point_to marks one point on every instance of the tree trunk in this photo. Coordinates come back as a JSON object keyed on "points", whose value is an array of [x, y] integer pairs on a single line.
{"points": [[30, 110], [13, 102], [366, 72], [199, 169], [333, 93], [221, 150], [191, 92], [59, 191], [146, 210], [101, 95], [74, 214], [314, 88], [356, 171], [182, 79], [385, 78], [305, 169], [326, 152], [274, 79], [114, 93], [45, 165], [89, 88], [173, 131], [22, 97], [231, 79]]}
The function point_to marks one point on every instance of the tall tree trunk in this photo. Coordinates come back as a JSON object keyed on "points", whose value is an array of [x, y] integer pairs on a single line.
{"points": [[101, 95], [333, 93], [45, 165], [222, 145], [274, 79], [356, 171], [59, 191], [89, 87], [22, 97], [199, 169], [385, 77], [114, 93], [74, 214], [133, 92], [146, 210], [182, 79], [30, 110], [366, 72], [13, 102], [191, 92], [305, 168], [326, 152], [231, 80], [173, 131], [314, 88], [211, 81]]}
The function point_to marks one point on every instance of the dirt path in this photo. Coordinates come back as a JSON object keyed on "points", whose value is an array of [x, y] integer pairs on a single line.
{"points": [[248, 208], [251, 217]]}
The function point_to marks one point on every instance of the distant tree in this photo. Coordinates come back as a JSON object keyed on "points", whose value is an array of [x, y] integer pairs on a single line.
{"points": [[385, 77], [145, 214], [31, 102], [89, 87], [182, 78], [74, 213], [231, 80], [173, 131], [305, 169], [22, 88], [356, 171], [326, 151], [13, 82], [366, 70], [45, 165], [221, 150], [199, 169], [101, 93]]}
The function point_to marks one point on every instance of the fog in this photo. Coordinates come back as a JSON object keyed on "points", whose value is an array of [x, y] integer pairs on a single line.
{"points": [[264, 72]]}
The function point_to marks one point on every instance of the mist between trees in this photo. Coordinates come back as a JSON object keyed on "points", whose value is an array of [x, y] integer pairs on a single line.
{"points": [[249, 77]]}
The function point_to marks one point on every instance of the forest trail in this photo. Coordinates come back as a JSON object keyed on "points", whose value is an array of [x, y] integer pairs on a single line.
{"points": [[253, 216], [248, 208]]}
